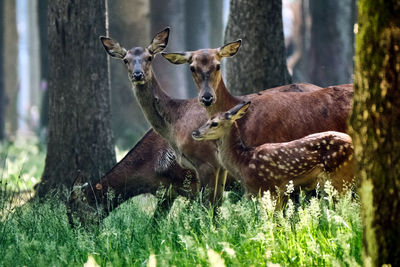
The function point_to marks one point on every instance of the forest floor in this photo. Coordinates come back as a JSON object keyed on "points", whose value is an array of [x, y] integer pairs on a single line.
{"points": [[320, 231]]}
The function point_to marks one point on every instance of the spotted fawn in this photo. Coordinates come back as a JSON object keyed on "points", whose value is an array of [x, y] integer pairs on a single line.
{"points": [[305, 161]]}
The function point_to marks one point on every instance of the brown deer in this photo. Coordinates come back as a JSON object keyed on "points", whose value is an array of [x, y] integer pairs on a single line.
{"points": [[149, 165], [174, 119], [281, 116], [273, 165]]}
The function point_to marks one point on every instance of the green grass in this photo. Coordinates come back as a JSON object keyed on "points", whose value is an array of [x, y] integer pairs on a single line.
{"points": [[324, 231], [21, 164]]}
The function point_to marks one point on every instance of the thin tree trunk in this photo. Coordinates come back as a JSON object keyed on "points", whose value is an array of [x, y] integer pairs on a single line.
{"points": [[34, 60], [170, 13], [375, 128], [44, 66], [80, 136], [216, 31], [2, 90], [261, 61], [128, 122], [10, 71]]}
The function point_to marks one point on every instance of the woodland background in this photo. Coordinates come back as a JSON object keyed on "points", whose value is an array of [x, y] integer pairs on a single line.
{"points": [[54, 75], [195, 25]]}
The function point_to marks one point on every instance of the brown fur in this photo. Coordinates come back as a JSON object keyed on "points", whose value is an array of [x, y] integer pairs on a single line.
{"points": [[273, 165], [144, 169], [173, 119], [273, 117]]}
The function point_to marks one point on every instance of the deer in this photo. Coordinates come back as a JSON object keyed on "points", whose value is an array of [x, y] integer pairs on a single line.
{"points": [[305, 161], [174, 119], [149, 166], [281, 116]]}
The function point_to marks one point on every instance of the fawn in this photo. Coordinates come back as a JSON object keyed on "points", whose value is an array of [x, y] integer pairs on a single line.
{"points": [[273, 165]]}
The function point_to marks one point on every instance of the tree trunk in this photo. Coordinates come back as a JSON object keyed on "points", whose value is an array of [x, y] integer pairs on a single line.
{"points": [[2, 90], [197, 28], [80, 136], [10, 70], [128, 121], [261, 61], [170, 13], [216, 28], [331, 48], [375, 128], [327, 43], [44, 65]]}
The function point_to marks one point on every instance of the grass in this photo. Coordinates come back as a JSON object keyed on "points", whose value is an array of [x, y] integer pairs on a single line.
{"points": [[323, 231], [22, 164]]}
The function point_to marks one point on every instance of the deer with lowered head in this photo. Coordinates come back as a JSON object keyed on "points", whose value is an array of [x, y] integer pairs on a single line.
{"points": [[173, 119], [147, 167], [274, 117], [273, 165]]}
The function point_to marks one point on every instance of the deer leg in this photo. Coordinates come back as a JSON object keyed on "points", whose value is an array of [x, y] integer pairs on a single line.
{"points": [[207, 175], [164, 204], [220, 180]]}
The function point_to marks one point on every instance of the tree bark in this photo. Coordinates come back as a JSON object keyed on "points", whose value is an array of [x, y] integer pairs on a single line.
{"points": [[375, 128], [170, 13], [44, 65], [331, 48], [128, 122], [80, 136], [2, 90], [10, 71], [261, 61], [327, 45]]}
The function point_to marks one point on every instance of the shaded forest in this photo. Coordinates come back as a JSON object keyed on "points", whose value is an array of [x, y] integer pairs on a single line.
{"points": [[193, 27], [199, 132]]}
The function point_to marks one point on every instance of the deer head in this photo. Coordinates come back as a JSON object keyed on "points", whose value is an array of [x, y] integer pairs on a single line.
{"points": [[138, 59], [220, 125], [205, 65]]}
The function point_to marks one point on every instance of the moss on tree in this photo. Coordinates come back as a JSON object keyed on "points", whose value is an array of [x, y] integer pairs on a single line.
{"points": [[375, 128]]}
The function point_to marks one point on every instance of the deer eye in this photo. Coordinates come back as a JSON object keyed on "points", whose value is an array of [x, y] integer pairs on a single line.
{"points": [[125, 61], [149, 58], [192, 68], [214, 124], [218, 67]]}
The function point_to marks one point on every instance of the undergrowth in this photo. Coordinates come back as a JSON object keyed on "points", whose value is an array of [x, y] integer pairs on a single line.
{"points": [[319, 231]]}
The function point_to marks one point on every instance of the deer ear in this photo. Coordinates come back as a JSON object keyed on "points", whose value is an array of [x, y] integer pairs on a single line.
{"points": [[239, 110], [229, 49], [159, 42], [112, 47], [228, 115], [177, 58]]}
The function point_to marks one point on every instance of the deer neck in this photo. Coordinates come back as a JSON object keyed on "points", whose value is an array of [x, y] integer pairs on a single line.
{"points": [[224, 100], [154, 102], [233, 152]]}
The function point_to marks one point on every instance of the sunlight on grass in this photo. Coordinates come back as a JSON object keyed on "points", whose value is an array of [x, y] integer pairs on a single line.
{"points": [[314, 231], [22, 164], [324, 231]]}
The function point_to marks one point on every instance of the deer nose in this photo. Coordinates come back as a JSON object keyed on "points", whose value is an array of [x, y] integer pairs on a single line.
{"points": [[138, 75], [195, 133], [207, 99]]}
